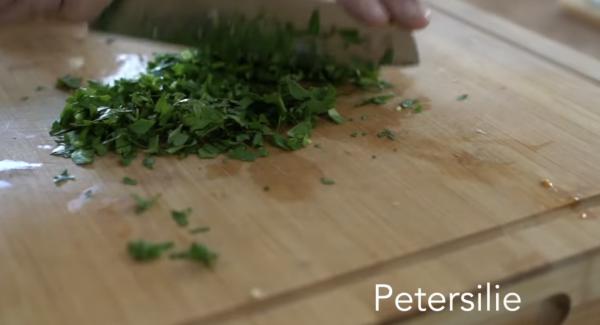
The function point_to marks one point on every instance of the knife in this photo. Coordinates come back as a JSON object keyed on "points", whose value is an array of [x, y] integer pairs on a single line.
{"points": [[181, 21]]}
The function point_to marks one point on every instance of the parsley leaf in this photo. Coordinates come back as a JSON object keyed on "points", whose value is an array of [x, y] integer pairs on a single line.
{"points": [[181, 217], [462, 97], [68, 82], [413, 104], [63, 178], [129, 181], [143, 204], [199, 230], [327, 181], [149, 162], [377, 100], [143, 251], [335, 116], [388, 134], [199, 253]]}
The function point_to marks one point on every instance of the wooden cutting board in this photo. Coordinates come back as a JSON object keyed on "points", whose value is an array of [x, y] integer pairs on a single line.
{"points": [[456, 200]]}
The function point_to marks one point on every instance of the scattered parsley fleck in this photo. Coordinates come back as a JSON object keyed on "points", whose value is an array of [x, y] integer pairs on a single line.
{"points": [[377, 100], [63, 178], [327, 181], [335, 116], [199, 253], [143, 204], [462, 97], [354, 134], [199, 230], [143, 251], [181, 217], [129, 181], [149, 162], [69, 82], [40, 88], [412, 104], [388, 134]]}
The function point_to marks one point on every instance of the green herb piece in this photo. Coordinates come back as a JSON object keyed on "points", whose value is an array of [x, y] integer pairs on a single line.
{"points": [[377, 100], [335, 116], [388, 134], [199, 230], [149, 162], [83, 157], [141, 126], [143, 204], [250, 82], [63, 178], [199, 253], [354, 134], [143, 251], [413, 104], [462, 97], [181, 217], [243, 154], [327, 181], [68, 82], [129, 181]]}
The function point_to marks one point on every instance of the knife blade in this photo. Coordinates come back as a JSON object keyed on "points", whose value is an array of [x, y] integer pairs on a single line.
{"points": [[181, 21]]}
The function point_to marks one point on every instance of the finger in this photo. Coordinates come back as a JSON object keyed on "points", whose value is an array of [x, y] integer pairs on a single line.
{"points": [[408, 13], [371, 12], [12, 11], [15, 11], [82, 10]]}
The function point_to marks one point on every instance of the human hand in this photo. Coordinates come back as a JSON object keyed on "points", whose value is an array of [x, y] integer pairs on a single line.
{"points": [[410, 14], [75, 10]]}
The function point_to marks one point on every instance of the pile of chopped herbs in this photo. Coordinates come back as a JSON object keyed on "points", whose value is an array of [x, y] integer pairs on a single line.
{"points": [[249, 83]]}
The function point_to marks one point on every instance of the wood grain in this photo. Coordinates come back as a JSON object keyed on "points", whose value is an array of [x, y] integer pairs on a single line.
{"points": [[455, 200], [547, 18]]}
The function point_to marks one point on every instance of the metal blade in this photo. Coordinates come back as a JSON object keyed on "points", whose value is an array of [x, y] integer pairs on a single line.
{"points": [[179, 21]]}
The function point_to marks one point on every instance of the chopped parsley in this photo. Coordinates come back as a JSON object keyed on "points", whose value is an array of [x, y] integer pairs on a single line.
{"points": [[149, 162], [68, 82], [249, 83], [63, 177], [327, 181], [377, 100], [181, 217], [387, 134], [129, 181], [199, 253], [462, 97], [412, 104], [199, 230], [143, 251], [143, 204]]}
